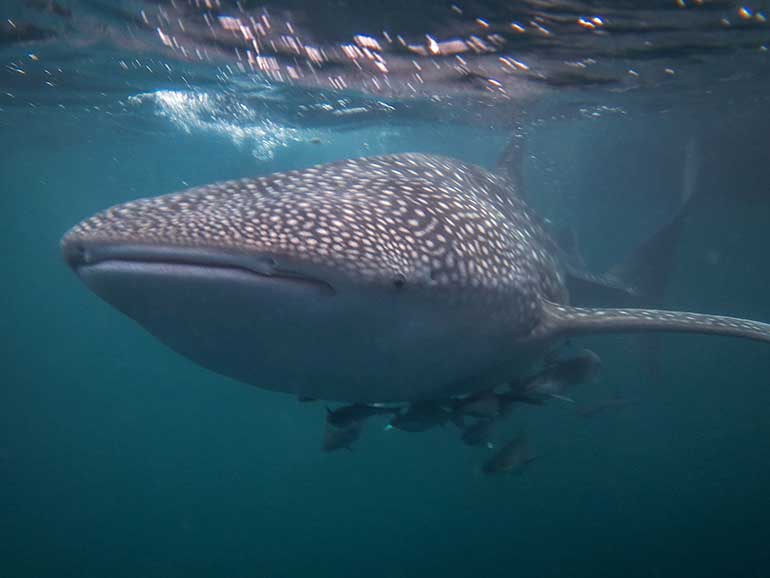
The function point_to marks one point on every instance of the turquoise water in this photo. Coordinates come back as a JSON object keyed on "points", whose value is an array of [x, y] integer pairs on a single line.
{"points": [[120, 458]]}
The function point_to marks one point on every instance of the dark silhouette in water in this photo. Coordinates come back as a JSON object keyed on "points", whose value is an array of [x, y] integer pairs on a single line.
{"points": [[479, 433], [485, 404], [337, 438], [421, 416], [345, 424], [555, 378], [513, 457], [349, 415]]}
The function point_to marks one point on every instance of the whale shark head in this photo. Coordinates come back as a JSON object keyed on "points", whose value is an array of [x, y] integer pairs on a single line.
{"points": [[366, 275]]}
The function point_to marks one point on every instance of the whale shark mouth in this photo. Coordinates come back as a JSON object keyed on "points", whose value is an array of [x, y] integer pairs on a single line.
{"points": [[94, 262]]}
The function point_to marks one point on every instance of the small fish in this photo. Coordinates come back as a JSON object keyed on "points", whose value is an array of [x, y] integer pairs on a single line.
{"points": [[345, 424], [554, 379], [349, 415], [420, 416], [582, 368], [514, 456], [486, 404], [480, 433], [337, 438], [604, 406]]}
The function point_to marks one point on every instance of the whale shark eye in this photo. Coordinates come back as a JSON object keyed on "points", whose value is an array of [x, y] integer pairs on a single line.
{"points": [[399, 280]]}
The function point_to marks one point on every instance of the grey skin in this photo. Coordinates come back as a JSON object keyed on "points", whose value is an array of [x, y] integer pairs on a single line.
{"points": [[381, 279], [554, 379], [513, 457]]}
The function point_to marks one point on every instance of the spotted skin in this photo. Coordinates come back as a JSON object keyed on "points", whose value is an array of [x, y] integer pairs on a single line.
{"points": [[445, 281], [425, 221]]}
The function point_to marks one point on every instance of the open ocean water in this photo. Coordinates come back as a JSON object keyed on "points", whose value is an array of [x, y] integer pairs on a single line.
{"points": [[120, 458]]}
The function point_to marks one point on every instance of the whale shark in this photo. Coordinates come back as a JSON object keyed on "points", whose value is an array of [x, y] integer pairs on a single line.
{"points": [[393, 278]]}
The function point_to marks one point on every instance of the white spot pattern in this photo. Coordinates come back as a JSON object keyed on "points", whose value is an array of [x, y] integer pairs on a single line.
{"points": [[437, 222]]}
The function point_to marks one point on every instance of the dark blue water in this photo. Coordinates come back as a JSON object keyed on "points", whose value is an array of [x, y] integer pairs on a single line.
{"points": [[120, 458]]}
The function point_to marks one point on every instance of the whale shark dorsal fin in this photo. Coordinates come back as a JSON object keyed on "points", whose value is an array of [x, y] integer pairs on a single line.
{"points": [[510, 164], [562, 321]]}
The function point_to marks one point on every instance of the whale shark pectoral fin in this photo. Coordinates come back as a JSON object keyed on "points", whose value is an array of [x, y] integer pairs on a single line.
{"points": [[561, 321]]}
